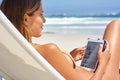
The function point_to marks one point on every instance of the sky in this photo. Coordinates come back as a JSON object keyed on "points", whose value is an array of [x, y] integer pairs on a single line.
{"points": [[80, 6]]}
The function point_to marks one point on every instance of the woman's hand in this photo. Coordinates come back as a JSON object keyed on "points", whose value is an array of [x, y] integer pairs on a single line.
{"points": [[77, 53], [103, 58], [104, 55]]}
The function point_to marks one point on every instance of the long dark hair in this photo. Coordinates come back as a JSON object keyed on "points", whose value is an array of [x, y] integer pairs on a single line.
{"points": [[15, 10]]}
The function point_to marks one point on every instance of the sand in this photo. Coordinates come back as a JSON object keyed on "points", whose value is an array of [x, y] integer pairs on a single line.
{"points": [[66, 42]]}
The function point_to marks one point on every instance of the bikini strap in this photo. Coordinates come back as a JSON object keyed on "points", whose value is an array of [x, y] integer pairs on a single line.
{"points": [[74, 65]]}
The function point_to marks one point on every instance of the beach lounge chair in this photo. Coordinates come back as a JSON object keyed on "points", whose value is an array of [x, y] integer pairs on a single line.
{"points": [[18, 59]]}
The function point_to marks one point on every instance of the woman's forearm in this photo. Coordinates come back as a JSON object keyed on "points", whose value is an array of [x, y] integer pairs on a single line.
{"points": [[99, 72]]}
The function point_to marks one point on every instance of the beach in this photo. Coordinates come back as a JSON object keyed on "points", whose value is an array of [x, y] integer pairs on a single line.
{"points": [[66, 42], [69, 33], [72, 32]]}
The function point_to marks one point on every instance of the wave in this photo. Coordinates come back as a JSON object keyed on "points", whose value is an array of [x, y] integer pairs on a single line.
{"points": [[82, 25], [78, 27], [73, 20]]}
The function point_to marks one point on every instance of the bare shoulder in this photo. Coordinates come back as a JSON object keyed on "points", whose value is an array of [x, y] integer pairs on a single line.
{"points": [[46, 48]]}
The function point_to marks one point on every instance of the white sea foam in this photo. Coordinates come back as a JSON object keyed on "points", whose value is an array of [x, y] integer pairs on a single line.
{"points": [[83, 25], [76, 21]]}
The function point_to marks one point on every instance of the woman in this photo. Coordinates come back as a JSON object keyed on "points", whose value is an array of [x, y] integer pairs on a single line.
{"points": [[27, 17]]}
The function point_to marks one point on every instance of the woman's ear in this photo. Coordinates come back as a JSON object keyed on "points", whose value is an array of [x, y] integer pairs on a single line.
{"points": [[26, 19]]}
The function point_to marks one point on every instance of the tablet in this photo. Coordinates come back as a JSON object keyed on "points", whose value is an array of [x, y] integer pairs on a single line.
{"points": [[90, 60]]}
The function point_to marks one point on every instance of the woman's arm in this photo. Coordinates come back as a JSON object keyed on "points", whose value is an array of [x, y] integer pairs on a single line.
{"points": [[57, 59], [103, 58]]}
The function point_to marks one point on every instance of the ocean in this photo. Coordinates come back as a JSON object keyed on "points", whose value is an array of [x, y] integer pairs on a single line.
{"points": [[77, 25]]}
